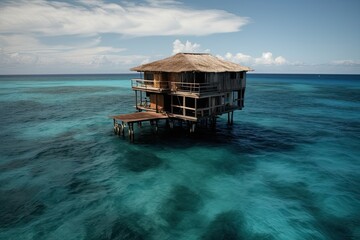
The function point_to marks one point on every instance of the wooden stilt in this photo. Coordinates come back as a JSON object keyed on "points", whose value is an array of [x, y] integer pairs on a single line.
{"points": [[123, 128], [213, 122], [192, 127], [131, 132], [118, 131], [171, 123], [115, 126]]}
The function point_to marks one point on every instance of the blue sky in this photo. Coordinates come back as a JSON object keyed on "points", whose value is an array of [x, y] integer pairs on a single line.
{"points": [[98, 36]]}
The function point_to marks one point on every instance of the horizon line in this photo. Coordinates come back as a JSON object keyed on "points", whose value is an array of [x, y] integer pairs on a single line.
{"points": [[249, 73]]}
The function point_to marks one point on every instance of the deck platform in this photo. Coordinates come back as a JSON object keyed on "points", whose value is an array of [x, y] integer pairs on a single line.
{"points": [[128, 120]]}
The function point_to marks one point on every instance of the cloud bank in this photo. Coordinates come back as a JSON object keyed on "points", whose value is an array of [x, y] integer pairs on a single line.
{"points": [[265, 59], [350, 63], [178, 47], [151, 18], [28, 30]]}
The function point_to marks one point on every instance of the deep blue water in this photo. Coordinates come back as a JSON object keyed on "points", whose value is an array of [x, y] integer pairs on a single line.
{"points": [[289, 167]]}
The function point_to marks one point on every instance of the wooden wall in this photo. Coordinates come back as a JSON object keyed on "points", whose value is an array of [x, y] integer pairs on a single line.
{"points": [[160, 101]]}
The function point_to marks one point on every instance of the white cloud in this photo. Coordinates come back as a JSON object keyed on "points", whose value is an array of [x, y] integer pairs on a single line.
{"points": [[267, 63], [265, 59], [155, 18], [268, 59], [349, 63], [178, 47], [238, 58], [28, 52], [27, 26], [162, 2], [280, 60]]}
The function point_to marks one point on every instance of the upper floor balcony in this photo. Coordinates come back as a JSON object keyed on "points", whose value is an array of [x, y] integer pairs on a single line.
{"points": [[150, 85], [175, 87]]}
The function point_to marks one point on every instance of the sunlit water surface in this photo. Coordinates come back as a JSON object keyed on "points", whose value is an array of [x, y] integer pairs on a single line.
{"points": [[289, 167]]}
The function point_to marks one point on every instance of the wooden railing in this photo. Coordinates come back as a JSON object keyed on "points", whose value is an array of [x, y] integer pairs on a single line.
{"points": [[200, 112], [149, 84], [192, 87], [173, 86]]}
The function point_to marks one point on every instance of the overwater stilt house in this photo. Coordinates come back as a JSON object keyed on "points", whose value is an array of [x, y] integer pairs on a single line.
{"points": [[188, 87]]}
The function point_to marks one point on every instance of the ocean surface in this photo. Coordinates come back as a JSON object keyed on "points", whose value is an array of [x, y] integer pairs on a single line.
{"points": [[289, 167]]}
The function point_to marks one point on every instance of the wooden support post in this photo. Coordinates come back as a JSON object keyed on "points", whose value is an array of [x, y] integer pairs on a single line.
{"points": [[210, 107], [171, 124], [172, 108], [141, 99], [192, 127], [156, 102], [241, 87], [131, 132], [230, 118], [183, 109], [123, 128], [195, 107], [114, 126], [119, 129], [136, 100], [213, 122]]}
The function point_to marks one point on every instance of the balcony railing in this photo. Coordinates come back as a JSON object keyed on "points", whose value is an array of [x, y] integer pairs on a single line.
{"points": [[201, 112], [193, 87], [149, 84], [173, 86]]}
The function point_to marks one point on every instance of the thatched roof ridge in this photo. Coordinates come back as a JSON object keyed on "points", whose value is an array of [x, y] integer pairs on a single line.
{"points": [[191, 62]]}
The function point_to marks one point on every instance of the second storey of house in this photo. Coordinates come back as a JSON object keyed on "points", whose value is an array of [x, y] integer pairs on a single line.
{"points": [[196, 83]]}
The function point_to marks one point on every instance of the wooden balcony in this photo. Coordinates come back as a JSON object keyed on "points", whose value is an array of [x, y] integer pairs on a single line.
{"points": [[173, 87], [196, 88], [149, 85]]}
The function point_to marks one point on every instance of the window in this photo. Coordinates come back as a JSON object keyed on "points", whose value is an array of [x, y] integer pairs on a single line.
{"points": [[242, 75], [232, 75], [190, 102], [200, 77], [148, 76]]}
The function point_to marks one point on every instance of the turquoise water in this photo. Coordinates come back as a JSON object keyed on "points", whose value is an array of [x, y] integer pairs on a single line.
{"points": [[289, 167]]}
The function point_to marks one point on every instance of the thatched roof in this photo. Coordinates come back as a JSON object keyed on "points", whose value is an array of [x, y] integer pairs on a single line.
{"points": [[190, 62]]}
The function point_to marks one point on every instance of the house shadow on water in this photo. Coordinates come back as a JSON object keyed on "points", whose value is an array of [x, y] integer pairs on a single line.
{"points": [[241, 138]]}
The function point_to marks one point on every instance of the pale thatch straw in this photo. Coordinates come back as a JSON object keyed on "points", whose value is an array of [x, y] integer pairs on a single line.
{"points": [[191, 62]]}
